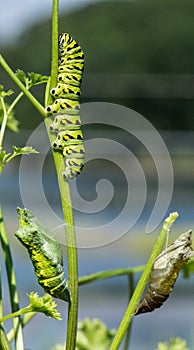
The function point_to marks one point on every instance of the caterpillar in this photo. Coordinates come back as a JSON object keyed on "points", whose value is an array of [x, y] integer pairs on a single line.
{"points": [[65, 109], [45, 254], [165, 271]]}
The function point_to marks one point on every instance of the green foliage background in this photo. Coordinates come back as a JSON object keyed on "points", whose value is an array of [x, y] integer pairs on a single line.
{"points": [[138, 53]]}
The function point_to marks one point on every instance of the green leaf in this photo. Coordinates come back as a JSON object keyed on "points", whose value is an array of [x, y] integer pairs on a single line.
{"points": [[175, 344], [6, 157], [36, 78], [23, 150], [44, 304], [93, 334], [3, 156], [21, 75], [59, 347], [188, 269], [5, 93], [31, 78]]}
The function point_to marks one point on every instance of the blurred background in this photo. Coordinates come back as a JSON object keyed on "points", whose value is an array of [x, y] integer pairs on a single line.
{"points": [[138, 54]]}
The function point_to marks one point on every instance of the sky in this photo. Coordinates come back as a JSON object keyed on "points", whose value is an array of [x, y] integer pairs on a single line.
{"points": [[17, 15]]}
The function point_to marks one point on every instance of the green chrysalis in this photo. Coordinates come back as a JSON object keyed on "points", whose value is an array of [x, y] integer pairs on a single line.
{"points": [[45, 254]]}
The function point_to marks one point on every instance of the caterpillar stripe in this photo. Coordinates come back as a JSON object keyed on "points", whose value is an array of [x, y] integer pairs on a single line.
{"points": [[165, 271], [45, 254], [65, 109]]}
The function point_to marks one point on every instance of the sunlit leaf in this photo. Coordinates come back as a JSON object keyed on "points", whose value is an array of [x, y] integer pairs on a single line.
{"points": [[21, 75], [36, 78], [4, 93], [188, 269], [93, 334], [24, 150], [44, 304], [3, 155], [31, 78], [175, 344]]}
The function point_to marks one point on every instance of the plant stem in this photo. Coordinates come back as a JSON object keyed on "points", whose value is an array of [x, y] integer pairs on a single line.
{"points": [[108, 274], [19, 345], [1, 299], [65, 201], [71, 249], [26, 318], [17, 313], [4, 342], [131, 290], [4, 122], [22, 87], [142, 282], [21, 94]]}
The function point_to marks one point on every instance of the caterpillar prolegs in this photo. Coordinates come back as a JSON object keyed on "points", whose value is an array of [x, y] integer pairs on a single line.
{"points": [[65, 109]]}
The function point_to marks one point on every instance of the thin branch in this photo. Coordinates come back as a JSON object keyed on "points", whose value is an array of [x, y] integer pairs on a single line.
{"points": [[22, 87], [108, 274], [126, 320], [12, 284]]}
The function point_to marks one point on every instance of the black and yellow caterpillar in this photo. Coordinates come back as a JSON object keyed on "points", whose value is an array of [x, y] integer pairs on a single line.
{"points": [[45, 254], [66, 106], [165, 271]]}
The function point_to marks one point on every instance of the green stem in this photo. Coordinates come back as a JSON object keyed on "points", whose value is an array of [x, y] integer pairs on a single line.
{"points": [[71, 253], [9, 157], [5, 115], [21, 94], [20, 312], [27, 317], [142, 282], [1, 296], [21, 86], [66, 202], [4, 342], [108, 274], [4, 122], [131, 290], [19, 345], [54, 53]]}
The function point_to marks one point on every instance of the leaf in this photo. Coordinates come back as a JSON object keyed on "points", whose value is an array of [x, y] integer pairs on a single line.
{"points": [[59, 347], [44, 304], [36, 78], [188, 269], [6, 157], [31, 78], [3, 156], [24, 150], [5, 93], [93, 334], [21, 75], [175, 344]]}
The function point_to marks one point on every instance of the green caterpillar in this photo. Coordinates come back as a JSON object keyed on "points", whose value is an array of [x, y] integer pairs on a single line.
{"points": [[165, 271], [65, 109], [45, 254]]}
